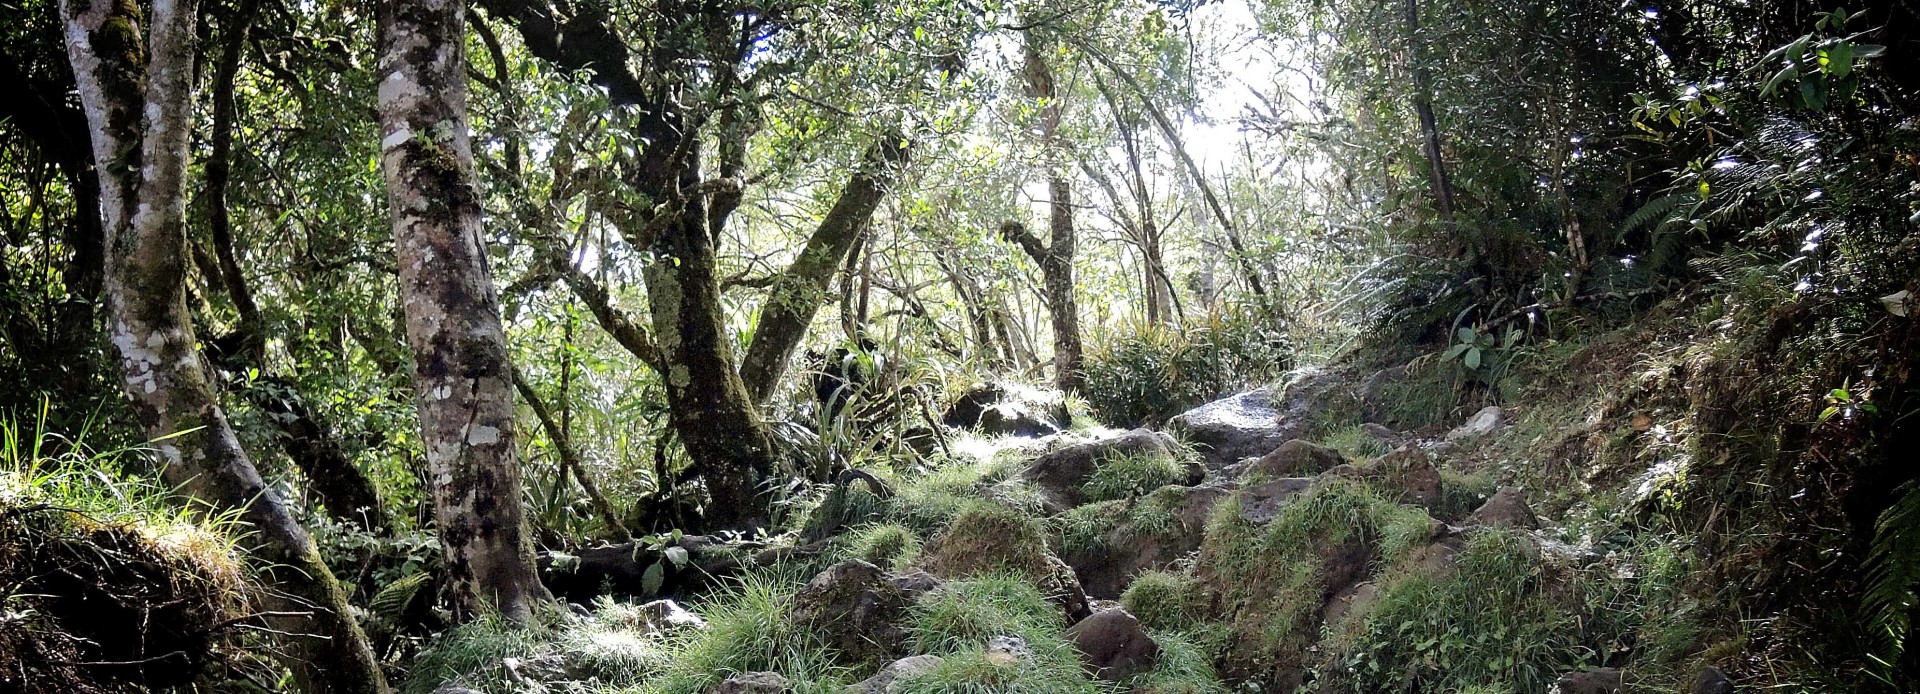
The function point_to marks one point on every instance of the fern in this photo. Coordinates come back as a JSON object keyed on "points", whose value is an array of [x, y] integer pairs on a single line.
{"points": [[390, 604], [1893, 571]]}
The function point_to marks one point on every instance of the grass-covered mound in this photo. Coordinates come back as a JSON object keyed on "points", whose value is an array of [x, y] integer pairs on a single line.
{"points": [[103, 588]]}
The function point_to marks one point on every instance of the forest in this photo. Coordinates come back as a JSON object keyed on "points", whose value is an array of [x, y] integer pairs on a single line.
{"points": [[959, 346]]}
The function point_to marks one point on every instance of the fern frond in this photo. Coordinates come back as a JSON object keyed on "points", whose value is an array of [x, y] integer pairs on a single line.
{"points": [[390, 604], [1893, 572]]}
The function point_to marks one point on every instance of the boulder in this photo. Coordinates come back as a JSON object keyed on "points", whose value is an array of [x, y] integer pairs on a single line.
{"points": [[989, 539], [1711, 680], [1260, 503], [1008, 409], [1375, 401], [1380, 432], [664, 616], [1060, 474], [856, 609], [1227, 430], [1507, 507], [1014, 419], [1113, 645], [753, 683], [1126, 550], [1600, 680], [1354, 600], [884, 681], [1008, 651], [1295, 458], [1488, 420]]}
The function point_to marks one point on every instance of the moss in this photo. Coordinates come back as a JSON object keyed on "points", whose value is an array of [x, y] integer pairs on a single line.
{"points": [[1164, 601], [988, 538], [1461, 493]]}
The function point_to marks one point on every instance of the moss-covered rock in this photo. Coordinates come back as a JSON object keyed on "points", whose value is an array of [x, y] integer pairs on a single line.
{"points": [[990, 539]]}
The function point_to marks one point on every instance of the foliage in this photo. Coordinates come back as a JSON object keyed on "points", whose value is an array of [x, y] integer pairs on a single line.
{"points": [[1164, 601], [1128, 476], [1144, 373]]}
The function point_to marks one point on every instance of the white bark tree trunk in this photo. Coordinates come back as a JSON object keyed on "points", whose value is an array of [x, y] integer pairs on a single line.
{"points": [[462, 382], [138, 96]]}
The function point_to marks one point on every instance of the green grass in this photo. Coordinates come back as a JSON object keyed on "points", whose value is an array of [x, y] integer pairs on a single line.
{"points": [[887, 545], [1164, 601], [1265, 583], [1183, 668], [957, 621], [1355, 443], [1490, 622], [1128, 476]]}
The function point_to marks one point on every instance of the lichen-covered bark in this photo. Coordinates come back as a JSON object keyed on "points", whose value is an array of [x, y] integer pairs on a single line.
{"points": [[462, 383], [138, 99], [797, 293], [731, 448]]}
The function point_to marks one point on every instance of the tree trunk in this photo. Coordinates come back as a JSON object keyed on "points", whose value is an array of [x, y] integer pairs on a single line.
{"points": [[1423, 107], [731, 448], [462, 382], [139, 116], [798, 293], [1056, 257]]}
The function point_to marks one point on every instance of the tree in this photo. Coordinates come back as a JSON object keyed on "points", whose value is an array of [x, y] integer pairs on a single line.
{"points": [[1055, 256], [462, 382], [138, 96]]}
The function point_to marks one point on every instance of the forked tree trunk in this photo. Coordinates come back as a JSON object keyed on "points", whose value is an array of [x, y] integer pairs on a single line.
{"points": [[139, 115], [731, 448], [462, 383]]}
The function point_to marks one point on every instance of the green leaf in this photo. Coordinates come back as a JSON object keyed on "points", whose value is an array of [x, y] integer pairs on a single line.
{"points": [[1455, 353], [1465, 334], [1840, 59], [1473, 358], [677, 555], [1791, 72], [653, 579]]}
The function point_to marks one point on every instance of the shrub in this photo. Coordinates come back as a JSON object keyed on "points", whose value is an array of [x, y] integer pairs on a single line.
{"points": [[1146, 373]]}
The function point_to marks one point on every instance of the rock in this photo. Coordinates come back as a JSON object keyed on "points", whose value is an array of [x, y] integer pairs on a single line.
{"points": [[1507, 507], [1409, 477], [990, 539], [883, 682], [666, 616], [1295, 458], [451, 688], [1014, 419], [1227, 430], [1060, 474], [1113, 645], [753, 683], [1126, 550], [1008, 409], [1602, 680], [1380, 432], [1488, 420], [1711, 681], [1008, 651], [1355, 600], [914, 584], [1260, 503], [856, 609]]}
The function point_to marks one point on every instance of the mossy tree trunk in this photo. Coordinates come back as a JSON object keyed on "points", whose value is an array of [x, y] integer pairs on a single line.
{"points": [[137, 92], [1055, 257], [462, 382], [798, 293]]}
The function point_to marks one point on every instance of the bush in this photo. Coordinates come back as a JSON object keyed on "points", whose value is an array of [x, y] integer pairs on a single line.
{"points": [[1146, 373]]}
